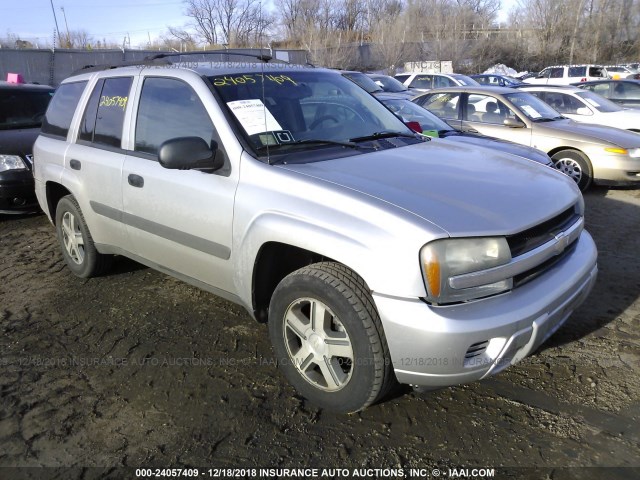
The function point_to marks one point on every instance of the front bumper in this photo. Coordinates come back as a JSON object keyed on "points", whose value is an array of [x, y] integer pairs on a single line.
{"points": [[443, 346], [17, 193], [615, 169]]}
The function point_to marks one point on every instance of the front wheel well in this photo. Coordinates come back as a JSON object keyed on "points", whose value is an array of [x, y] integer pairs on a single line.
{"points": [[551, 153], [55, 192], [275, 261]]}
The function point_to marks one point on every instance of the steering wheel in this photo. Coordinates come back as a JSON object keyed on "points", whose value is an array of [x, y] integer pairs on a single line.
{"points": [[321, 119]]}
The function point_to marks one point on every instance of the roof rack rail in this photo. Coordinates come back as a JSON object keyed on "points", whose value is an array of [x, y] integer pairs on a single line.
{"points": [[263, 57], [163, 59]]}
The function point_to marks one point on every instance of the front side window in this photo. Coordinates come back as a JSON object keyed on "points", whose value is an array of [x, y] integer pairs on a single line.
{"points": [[556, 72], [168, 109], [565, 103], [62, 108], [487, 109]]}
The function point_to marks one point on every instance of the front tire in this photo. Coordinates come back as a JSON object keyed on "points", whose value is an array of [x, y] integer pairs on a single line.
{"points": [[328, 338], [75, 240], [576, 165]]}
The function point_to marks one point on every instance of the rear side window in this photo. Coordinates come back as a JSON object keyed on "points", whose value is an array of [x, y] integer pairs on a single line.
{"points": [[577, 71], [422, 81], [61, 109], [104, 116]]}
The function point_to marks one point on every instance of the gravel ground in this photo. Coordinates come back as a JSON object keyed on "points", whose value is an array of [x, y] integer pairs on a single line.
{"points": [[137, 369]]}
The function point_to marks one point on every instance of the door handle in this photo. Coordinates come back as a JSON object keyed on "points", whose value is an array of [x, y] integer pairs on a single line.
{"points": [[75, 164], [135, 180]]}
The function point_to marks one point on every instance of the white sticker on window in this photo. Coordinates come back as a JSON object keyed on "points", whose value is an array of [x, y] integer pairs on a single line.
{"points": [[254, 116], [592, 102], [530, 111]]}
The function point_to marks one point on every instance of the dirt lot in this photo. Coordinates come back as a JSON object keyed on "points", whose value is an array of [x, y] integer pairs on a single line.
{"points": [[138, 369]]}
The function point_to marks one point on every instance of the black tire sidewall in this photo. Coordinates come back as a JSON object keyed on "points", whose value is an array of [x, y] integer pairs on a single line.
{"points": [[86, 268], [585, 165], [356, 394]]}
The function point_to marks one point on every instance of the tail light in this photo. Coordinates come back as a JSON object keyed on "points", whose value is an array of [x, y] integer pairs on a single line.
{"points": [[584, 79]]}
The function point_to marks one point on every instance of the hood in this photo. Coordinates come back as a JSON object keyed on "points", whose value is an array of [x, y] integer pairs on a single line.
{"points": [[594, 132], [18, 142], [499, 144], [465, 191], [627, 118]]}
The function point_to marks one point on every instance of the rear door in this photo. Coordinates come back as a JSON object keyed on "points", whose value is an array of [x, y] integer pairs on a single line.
{"points": [[97, 156]]}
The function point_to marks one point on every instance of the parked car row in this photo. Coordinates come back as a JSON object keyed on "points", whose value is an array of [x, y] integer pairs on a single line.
{"points": [[585, 152]]}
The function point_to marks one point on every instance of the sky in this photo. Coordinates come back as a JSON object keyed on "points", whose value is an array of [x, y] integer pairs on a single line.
{"points": [[32, 20]]}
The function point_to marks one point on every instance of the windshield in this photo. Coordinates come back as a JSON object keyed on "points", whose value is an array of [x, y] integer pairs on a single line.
{"points": [[411, 112], [389, 84], [364, 81], [22, 108], [599, 103], [464, 80], [532, 107], [303, 110]]}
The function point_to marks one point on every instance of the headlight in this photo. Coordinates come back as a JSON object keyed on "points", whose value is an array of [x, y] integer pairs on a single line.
{"points": [[443, 259], [634, 152], [11, 162]]}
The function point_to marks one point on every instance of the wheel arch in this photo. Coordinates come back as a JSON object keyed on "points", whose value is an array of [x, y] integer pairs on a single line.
{"points": [[54, 191], [274, 261]]}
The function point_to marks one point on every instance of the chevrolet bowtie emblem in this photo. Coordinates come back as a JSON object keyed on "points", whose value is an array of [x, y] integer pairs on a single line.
{"points": [[562, 241]]}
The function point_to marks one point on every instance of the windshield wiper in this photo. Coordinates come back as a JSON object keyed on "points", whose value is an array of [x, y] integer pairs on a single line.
{"points": [[385, 134], [548, 119], [311, 141]]}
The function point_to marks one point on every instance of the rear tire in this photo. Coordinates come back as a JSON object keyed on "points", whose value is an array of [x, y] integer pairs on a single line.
{"points": [[75, 240], [575, 165], [328, 338]]}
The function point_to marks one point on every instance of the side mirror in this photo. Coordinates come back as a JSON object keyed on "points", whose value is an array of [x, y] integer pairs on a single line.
{"points": [[187, 153], [513, 123], [583, 111]]}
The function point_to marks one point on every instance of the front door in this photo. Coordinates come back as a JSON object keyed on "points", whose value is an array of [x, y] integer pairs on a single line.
{"points": [[180, 220]]}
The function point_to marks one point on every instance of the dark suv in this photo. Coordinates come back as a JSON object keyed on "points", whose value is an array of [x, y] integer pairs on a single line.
{"points": [[22, 108]]}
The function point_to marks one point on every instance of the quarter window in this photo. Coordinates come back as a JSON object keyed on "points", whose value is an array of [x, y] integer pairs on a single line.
{"points": [[61, 109]]}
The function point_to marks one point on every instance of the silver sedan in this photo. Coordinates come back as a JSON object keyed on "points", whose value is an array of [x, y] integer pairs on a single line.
{"points": [[586, 153]]}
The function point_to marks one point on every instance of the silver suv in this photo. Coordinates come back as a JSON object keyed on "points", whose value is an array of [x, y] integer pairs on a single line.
{"points": [[376, 256]]}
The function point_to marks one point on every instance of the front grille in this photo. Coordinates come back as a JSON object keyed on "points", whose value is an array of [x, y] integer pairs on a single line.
{"points": [[532, 238]]}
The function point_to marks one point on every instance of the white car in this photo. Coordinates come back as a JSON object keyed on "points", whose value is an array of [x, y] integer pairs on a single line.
{"points": [[622, 71], [423, 82], [587, 107], [568, 74]]}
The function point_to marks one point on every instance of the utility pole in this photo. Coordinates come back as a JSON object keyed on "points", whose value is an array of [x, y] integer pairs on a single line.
{"points": [[67, 25], [55, 19]]}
